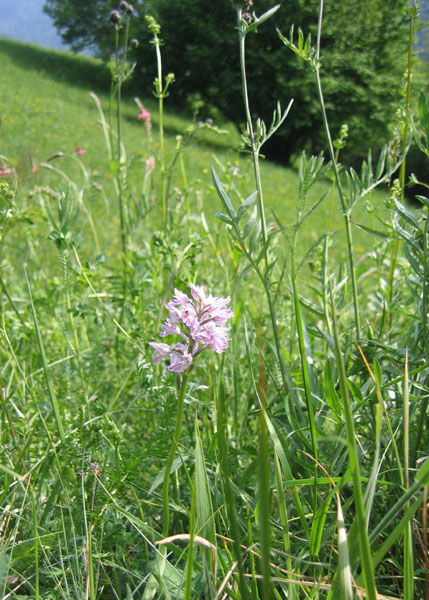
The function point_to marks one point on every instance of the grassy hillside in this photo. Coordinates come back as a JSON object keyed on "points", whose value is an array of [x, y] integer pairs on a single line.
{"points": [[46, 108]]}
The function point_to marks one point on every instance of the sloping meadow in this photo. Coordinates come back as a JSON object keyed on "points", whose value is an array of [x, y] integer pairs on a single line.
{"points": [[213, 371]]}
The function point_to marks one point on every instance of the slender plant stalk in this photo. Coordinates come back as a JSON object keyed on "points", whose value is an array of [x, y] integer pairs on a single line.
{"points": [[364, 546], [90, 582], [36, 547], [285, 525], [160, 93], [181, 387], [12, 303], [161, 136], [408, 534], [305, 376], [254, 143], [413, 14], [425, 299], [48, 378], [231, 500], [263, 474], [255, 148], [345, 209], [190, 558], [118, 75]]}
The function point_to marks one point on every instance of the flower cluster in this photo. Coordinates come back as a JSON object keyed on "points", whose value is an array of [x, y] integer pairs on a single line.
{"points": [[5, 171], [144, 115], [199, 321]]}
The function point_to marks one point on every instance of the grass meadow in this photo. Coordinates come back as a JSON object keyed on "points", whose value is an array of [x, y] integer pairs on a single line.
{"points": [[273, 442]]}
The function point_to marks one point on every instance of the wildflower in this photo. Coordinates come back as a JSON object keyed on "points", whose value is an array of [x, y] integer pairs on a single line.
{"points": [[145, 117], [34, 168], [150, 164], [199, 321], [80, 150]]}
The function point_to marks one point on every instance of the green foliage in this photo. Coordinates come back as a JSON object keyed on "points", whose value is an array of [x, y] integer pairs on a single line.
{"points": [[83, 24], [363, 61], [292, 466]]}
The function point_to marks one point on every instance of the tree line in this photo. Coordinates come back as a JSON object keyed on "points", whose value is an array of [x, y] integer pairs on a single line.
{"points": [[364, 47]]}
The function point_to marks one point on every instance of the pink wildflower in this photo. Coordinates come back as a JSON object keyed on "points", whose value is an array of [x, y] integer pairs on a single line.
{"points": [[80, 150], [150, 164], [34, 168], [200, 322], [145, 117]]}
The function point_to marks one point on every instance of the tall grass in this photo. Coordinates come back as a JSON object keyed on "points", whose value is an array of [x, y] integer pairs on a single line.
{"points": [[291, 465]]}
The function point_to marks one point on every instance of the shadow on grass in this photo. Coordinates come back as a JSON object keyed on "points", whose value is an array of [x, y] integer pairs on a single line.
{"points": [[75, 69], [93, 74]]}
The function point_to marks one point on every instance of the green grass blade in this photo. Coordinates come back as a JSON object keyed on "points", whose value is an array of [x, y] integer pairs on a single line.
{"points": [[285, 525], [318, 525], [204, 518], [408, 534], [344, 566], [307, 377], [51, 390], [399, 529], [231, 502], [364, 547]]}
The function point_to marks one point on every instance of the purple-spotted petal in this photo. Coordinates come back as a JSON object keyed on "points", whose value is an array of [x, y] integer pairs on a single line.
{"points": [[163, 351], [179, 362]]}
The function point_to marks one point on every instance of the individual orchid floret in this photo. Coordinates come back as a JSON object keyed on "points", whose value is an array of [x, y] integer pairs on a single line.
{"points": [[200, 321]]}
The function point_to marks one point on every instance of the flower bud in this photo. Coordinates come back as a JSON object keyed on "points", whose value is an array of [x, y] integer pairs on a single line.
{"points": [[115, 17], [152, 25], [127, 8], [134, 43]]}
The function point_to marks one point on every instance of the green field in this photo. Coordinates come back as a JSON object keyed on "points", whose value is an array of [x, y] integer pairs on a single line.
{"points": [[291, 461]]}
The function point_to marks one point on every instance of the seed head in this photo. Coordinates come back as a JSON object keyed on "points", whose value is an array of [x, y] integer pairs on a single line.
{"points": [[127, 8], [115, 17]]}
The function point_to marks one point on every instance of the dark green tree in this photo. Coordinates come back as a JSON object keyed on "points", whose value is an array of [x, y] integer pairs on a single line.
{"points": [[363, 62]]}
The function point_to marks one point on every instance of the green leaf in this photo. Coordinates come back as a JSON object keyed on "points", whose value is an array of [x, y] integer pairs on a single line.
{"points": [[223, 195], [422, 475], [331, 395], [246, 204], [344, 566], [250, 223], [407, 215], [259, 20], [377, 233], [224, 218], [205, 525], [318, 526]]}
